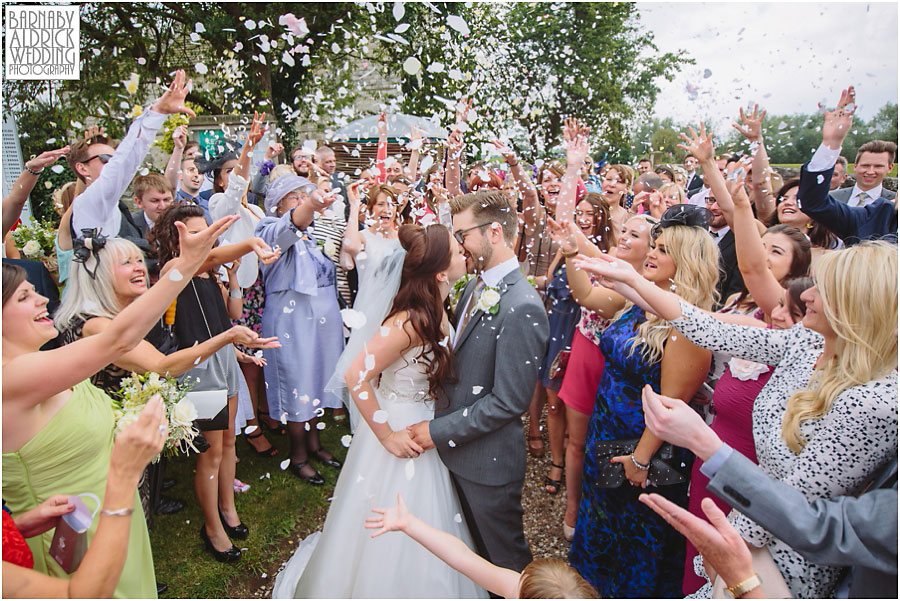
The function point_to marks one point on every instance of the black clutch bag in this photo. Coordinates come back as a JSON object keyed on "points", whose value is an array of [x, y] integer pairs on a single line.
{"points": [[612, 475]]}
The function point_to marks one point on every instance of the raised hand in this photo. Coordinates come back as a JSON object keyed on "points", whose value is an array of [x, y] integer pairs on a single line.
{"points": [[382, 123], [415, 138], [508, 155], [389, 519], [609, 268], [738, 190], [173, 100], [94, 130], [462, 110], [141, 441], [179, 136], [838, 122], [257, 129], [701, 146], [751, 125], [196, 247], [561, 234], [575, 136], [46, 158], [455, 144], [273, 150]]}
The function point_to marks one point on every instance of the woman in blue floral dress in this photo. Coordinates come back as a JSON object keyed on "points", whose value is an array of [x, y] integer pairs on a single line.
{"points": [[620, 546]]}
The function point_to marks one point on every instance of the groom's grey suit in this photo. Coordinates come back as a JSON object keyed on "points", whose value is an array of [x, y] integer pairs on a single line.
{"points": [[477, 428]]}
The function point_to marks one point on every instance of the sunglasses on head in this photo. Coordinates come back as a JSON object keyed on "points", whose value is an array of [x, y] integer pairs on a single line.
{"points": [[104, 158], [683, 214]]}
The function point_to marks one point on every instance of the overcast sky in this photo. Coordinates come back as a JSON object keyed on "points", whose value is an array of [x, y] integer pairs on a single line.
{"points": [[785, 56]]}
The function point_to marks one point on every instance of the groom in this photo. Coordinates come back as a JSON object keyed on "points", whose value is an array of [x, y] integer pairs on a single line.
{"points": [[501, 338]]}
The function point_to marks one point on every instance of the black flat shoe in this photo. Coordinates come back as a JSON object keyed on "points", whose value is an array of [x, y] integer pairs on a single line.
{"points": [[239, 532], [168, 506], [161, 588], [315, 480], [229, 556], [332, 462], [168, 483]]}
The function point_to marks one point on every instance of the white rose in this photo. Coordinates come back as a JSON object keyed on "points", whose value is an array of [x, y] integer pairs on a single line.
{"points": [[183, 413], [126, 420], [330, 249], [32, 249], [488, 299], [746, 370]]}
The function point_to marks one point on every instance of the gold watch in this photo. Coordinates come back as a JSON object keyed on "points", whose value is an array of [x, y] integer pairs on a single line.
{"points": [[739, 590]]}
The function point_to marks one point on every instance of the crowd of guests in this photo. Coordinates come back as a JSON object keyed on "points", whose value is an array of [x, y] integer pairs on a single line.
{"points": [[712, 292]]}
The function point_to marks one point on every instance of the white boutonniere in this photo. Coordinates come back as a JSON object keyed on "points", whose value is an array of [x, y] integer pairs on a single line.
{"points": [[489, 300]]}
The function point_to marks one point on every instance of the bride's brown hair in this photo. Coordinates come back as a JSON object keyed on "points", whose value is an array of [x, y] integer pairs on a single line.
{"points": [[427, 254]]}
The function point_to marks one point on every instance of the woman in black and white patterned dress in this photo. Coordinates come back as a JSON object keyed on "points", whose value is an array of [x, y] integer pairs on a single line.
{"points": [[826, 421]]}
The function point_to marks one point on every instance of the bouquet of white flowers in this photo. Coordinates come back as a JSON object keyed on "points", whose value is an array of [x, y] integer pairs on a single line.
{"points": [[180, 411], [36, 240]]}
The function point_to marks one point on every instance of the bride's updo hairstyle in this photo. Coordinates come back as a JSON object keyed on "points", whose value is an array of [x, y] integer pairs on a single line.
{"points": [[427, 254]]}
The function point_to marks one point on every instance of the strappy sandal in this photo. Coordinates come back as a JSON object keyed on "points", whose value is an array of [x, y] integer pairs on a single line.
{"points": [[280, 430], [535, 452], [556, 484], [270, 452]]}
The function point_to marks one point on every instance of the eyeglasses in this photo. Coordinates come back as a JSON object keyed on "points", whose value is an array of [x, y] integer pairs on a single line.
{"points": [[459, 235], [683, 214], [104, 158]]}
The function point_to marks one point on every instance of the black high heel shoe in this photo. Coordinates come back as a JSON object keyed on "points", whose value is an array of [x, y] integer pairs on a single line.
{"points": [[229, 556], [239, 532], [332, 462], [315, 480]]}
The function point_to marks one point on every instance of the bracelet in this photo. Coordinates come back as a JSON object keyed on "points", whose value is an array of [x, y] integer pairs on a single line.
{"points": [[741, 589], [512, 164], [117, 512], [569, 255], [236, 293], [641, 466], [32, 171]]}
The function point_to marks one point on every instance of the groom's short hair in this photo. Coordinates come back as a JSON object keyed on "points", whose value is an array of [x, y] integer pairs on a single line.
{"points": [[489, 206]]}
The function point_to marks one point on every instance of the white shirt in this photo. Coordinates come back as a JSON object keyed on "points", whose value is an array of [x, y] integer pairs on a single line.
{"points": [[228, 203], [149, 223], [491, 278], [719, 234], [97, 205], [699, 198], [871, 196]]}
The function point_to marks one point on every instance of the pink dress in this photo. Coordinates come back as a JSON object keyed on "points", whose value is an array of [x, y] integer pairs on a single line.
{"points": [[733, 401], [579, 385]]}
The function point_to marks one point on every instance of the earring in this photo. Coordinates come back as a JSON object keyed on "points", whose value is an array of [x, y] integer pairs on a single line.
{"points": [[809, 226]]}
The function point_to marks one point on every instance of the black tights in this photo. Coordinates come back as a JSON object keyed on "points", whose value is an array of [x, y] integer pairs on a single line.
{"points": [[304, 443]]}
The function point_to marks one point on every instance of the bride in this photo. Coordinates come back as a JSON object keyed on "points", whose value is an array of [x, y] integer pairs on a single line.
{"points": [[411, 354]]}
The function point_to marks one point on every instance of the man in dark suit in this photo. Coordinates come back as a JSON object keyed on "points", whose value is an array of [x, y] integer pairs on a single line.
{"points": [[856, 532], [694, 179], [874, 160], [152, 196], [730, 279]]}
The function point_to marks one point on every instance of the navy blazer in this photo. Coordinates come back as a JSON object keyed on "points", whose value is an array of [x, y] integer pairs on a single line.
{"points": [[851, 224]]}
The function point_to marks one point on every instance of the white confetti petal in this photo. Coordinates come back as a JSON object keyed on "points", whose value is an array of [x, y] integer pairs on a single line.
{"points": [[201, 68], [175, 275], [250, 429], [398, 10], [346, 439], [380, 416], [370, 362], [251, 25], [451, 443], [459, 24], [457, 518], [284, 464], [477, 389], [57, 169], [199, 28], [320, 426], [820, 178], [385, 331], [402, 27], [412, 65], [363, 395]]}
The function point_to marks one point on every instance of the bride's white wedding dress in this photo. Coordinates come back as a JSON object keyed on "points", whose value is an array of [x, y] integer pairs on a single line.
{"points": [[343, 561]]}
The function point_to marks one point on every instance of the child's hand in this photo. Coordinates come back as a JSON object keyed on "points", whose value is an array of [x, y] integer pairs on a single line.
{"points": [[391, 518]]}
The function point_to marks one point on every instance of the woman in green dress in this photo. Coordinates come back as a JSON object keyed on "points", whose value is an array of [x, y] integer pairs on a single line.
{"points": [[57, 427]]}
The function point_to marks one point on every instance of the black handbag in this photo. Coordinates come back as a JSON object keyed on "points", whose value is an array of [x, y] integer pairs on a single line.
{"points": [[612, 475]]}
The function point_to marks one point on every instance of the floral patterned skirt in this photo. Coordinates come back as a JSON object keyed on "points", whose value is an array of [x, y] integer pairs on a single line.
{"points": [[254, 303]]}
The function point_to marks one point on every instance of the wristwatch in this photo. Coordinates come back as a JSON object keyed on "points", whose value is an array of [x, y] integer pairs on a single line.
{"points": [[739, 590]]}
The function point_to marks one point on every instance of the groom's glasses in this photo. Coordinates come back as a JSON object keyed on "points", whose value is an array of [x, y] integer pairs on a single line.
{"points": [[459, 235]]}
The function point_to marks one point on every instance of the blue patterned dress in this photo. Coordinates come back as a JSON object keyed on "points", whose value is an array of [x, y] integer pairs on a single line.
{"points": [[621, 546]]}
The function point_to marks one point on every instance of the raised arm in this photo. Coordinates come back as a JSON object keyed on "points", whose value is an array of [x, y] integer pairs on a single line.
{"points": [[173, 167], [229, 202], [762, 195], [415, 146], [701, 146], [24, 184], [97, 206], [523, 182], [32, 378], [446, 547], [575, 134], [381, 151], [352, 243], [455, 148]]}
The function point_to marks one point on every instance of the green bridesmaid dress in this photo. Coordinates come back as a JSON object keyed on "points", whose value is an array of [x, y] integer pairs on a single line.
{"points": [[70, 455]]}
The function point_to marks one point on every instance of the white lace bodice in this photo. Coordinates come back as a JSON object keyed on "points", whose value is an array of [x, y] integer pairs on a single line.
{"points": [[403, 391]]}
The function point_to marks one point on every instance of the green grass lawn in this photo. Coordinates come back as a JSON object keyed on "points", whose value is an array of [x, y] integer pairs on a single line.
{"points": [[891, 173], [279, 509]]}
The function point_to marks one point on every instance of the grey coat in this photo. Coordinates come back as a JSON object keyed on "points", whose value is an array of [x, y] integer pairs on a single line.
{"points": [[859, 532], [843, 194], [477, 428]]}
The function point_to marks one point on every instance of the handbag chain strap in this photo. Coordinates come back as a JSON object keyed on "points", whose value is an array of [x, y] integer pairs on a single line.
{"points": [[199, 304]]}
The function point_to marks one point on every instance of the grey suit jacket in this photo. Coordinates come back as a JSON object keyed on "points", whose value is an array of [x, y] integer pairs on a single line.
{"points": [[140, 222], [843, 194], [477, 427], [860, 532]]}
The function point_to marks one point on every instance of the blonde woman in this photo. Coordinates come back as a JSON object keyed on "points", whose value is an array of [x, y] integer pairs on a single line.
{"points": [[827, 419], [620, 547]]}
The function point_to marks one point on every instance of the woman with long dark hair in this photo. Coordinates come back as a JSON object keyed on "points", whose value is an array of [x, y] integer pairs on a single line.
{"points": [[410, 359]]}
